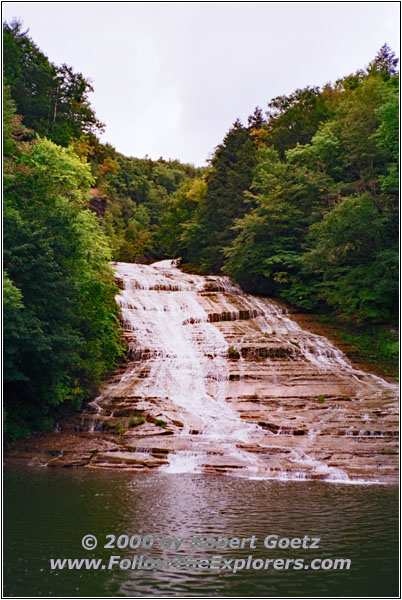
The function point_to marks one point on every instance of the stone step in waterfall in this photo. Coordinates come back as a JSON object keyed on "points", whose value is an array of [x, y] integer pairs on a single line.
{"points": [[219, 381]]}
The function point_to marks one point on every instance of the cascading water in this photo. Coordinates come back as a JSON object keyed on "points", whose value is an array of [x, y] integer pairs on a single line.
{"points": [[236, 382], [161, 310]]}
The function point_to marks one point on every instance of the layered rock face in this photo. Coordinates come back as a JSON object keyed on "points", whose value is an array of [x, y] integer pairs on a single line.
{"points": [[222, 381]]}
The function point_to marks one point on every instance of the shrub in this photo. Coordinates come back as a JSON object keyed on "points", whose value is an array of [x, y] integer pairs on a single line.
{"points": [[233, 354]]}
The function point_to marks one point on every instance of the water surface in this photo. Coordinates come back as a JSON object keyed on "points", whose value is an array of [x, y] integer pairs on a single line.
{"points": [[47, 512]]}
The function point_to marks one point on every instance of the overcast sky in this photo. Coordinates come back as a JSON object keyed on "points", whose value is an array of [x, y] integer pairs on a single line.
{"points": [[170, 78]]}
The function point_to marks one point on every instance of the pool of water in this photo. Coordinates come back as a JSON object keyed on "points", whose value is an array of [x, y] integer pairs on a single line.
{"points": [[48, 512]]}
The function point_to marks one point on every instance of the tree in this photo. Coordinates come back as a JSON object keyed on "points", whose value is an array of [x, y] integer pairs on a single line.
{"points": [[387, 137], [230, 176], [264, 253], [53, 100], [385, 63], [351, 252], [179, 234], [295, 119], [60, 289]]}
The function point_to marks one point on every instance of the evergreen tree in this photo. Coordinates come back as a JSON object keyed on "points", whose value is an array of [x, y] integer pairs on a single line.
{"points": [[230, 176], [53, 100]]}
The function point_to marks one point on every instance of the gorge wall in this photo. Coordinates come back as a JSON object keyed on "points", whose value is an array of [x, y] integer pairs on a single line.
{"points": [[221, 381]]}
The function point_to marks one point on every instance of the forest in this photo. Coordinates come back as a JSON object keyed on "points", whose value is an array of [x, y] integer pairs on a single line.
{"points": [[299, 203]]}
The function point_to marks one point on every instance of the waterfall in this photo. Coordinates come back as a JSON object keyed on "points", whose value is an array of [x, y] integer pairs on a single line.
{"points": [[237, 384]]}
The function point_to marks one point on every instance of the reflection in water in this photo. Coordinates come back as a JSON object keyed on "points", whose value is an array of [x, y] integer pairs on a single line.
{"points": [[48, 512]]}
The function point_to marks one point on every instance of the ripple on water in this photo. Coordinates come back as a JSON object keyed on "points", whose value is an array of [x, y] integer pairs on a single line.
{"points": [[48, 511]]}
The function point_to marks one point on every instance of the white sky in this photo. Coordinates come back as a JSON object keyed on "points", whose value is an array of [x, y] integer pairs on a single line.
{"points": [[170, 78]]}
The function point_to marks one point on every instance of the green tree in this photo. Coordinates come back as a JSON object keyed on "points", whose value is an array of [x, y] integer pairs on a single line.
{"points": [[53, 100], [60, 287], [229, 177], [264, 253], [356, 263], [180, 224], [294, 119], [384, 64], [387, 137]]}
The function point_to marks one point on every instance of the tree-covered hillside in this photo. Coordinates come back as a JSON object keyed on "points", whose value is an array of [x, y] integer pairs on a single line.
{"points": [[301, 203], [61, 329], [71, 205]]}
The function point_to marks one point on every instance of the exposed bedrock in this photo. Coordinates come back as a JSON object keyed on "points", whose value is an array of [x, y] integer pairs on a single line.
{"points": [[225, 382]]}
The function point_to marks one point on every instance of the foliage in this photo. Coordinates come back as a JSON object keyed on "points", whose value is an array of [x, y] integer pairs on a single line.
{"points": [[321, 229], [53, 100], [384, 64], [377, 344], [294, 119], [180, 224], [140, 195], [62, 334], [230, 175], [134, 421], [233, 354], [387, 137], [301, 203], [357, 265], [264, 252]]}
